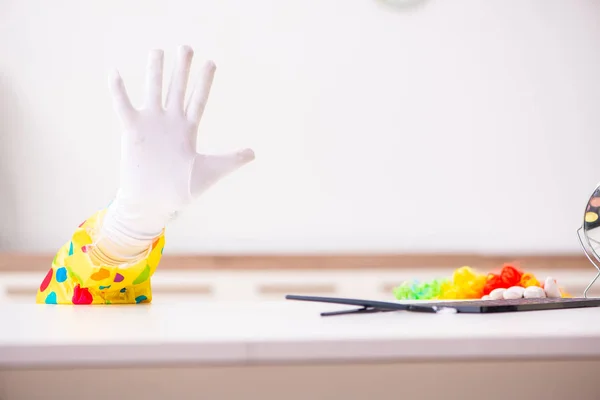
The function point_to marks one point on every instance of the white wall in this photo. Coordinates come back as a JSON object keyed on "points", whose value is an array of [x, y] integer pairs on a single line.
{"points": [[452, 125]]}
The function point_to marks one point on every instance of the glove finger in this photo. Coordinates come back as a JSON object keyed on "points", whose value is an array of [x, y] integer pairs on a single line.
{"points": [[179, 79], [199, 97], [121, 101], [154, 75]]}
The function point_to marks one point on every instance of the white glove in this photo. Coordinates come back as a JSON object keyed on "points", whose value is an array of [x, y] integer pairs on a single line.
{"points": [[160, 171]]}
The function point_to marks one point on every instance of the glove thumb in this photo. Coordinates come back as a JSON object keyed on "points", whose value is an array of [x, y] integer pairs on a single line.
{"points": [[209, 169]]}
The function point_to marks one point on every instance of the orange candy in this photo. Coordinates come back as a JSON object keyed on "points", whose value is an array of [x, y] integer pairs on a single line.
{"points": [[528, 279]]}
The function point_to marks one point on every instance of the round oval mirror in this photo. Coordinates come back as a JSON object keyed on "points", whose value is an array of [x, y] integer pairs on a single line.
{"points": [[589, 233]]}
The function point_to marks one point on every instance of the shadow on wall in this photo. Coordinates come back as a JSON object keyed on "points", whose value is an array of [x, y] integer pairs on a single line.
{"points": [[402, 5], [10, 122]]}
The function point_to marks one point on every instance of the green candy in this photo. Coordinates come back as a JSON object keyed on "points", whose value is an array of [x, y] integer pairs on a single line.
{"points": [[415, 290]]}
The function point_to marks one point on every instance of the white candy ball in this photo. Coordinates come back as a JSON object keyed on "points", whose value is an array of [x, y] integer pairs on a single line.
{"points": [[486, 297], [497, 294], [551, 288], [517, 289], [514, 292], [534, 292]]}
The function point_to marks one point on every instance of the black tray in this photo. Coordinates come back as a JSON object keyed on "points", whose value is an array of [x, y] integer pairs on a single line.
{"points": [[465, 306]]}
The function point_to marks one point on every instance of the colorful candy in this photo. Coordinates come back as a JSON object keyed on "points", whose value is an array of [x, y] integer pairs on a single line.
{"points": [[510, 282], [528, 279], [465, 284], [419, 291], [508, 276]]}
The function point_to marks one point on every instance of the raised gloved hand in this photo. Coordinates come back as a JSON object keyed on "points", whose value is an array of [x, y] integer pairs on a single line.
{"points": [[160, 171]]}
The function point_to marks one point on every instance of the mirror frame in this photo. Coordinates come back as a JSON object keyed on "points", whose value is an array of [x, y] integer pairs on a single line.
{"points": [[586, 246]]}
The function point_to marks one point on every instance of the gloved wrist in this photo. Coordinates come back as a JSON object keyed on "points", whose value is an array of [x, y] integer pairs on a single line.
{"points": [[128, 230]]}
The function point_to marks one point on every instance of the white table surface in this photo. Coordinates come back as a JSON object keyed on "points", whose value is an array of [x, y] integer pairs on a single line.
{"points": [[253, 333]]}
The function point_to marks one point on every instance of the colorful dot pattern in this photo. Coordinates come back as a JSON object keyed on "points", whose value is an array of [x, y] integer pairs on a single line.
{"points": [[75, 279], [51, 298], [140, 299], [61, 275]]}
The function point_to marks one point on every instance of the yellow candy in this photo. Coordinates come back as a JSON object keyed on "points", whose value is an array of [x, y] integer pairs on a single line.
{"points": [[470, 284], [446, 291], [463, 275], [449, 294], [470, 293], [480, 281], [465, 284]]}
